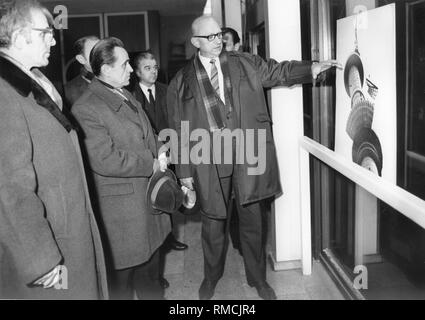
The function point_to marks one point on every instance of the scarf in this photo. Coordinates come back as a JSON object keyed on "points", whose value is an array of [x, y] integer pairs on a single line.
{"points": [[209, 96]]}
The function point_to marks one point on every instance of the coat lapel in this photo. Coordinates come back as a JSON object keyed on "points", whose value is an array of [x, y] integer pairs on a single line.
{"points": [[138, 93], [114, 102], [235, 79], [192, 89], [25, 85]]}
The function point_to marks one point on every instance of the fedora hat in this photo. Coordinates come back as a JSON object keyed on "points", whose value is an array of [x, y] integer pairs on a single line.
{"points": [[165, 195], [163, 192]]}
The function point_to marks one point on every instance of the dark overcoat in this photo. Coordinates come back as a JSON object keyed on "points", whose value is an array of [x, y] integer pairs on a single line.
{"points": [[121, 147], [46, 217], [249, 74]]}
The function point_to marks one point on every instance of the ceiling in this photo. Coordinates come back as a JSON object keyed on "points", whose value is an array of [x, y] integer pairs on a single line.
{"points": [[165, 7]]}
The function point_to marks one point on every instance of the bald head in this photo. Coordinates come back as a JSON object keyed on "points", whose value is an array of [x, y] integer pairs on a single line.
{"points": [[201, 22], [203, 27]]}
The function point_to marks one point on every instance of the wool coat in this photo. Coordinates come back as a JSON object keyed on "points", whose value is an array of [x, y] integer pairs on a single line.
{"points": [[249, 75], [121, 147], [46, 217]]}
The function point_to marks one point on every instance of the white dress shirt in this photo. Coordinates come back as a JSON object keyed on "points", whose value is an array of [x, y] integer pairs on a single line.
{"points": [[146, 92]]}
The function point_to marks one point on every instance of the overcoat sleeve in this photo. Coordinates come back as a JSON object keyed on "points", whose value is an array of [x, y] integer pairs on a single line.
{"points": [[105, 158], [285, 73], [25, 234]]}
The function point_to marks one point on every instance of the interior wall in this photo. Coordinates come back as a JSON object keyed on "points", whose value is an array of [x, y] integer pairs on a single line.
{"points": [[354, 6], [233, 15], [175, 30]]}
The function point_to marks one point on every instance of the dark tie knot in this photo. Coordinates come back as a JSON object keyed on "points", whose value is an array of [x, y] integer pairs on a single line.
{"points": [[212, 61]]}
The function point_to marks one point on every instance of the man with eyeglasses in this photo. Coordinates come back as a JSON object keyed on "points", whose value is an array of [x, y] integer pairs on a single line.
{"points": [[50, 246], [220, 90]]}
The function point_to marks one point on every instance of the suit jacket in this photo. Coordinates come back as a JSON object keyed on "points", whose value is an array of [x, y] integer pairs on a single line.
{"points": [[121, 146], [45, 212], [75, 89], [157, 114], [248, 75]]}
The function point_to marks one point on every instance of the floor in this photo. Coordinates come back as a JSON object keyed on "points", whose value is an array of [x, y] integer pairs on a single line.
{"points": [[184, 271], [389, 282]]}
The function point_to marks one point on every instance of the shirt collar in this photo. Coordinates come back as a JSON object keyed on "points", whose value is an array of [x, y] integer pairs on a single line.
{"points": [[146, 88], [206, 63]]}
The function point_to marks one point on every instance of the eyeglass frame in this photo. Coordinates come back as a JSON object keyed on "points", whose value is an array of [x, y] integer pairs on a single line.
{"points": [[218, 35], [45, 31]]}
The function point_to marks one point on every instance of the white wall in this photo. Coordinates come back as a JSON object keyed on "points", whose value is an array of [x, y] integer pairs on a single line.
{"points": [[217, 11], [283, 36], [233, 15], [353, 6]]}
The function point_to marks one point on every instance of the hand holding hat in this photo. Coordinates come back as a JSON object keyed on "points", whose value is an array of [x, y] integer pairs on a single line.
{"points": [[161, 163]]}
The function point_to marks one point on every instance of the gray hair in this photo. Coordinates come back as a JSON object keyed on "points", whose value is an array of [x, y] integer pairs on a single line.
{"points": [[15, 15]]}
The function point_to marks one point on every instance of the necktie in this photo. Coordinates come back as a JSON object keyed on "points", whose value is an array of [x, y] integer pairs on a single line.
{"points": [[151, 98], [214, 77]]}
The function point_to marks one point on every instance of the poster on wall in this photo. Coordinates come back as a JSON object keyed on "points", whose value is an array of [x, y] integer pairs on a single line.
{"points": [[366, 97]]}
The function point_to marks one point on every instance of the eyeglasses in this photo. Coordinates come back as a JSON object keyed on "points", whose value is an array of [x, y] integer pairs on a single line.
{"points": [[45, 32], [211, 37]]}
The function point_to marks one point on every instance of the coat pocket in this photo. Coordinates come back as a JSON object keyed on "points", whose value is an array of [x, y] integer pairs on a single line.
{"points": [[116, 189], [264, 118], [187, 94], [56, 211]]}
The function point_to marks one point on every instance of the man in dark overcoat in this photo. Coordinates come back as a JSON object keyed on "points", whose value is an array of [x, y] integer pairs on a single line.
{"points": [[222, 93]]}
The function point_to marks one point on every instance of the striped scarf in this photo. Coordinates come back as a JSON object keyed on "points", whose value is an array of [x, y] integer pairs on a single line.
{"points": [[209, 96]]}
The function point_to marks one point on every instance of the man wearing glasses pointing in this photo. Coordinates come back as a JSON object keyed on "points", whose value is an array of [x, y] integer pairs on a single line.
{"points": [[220, 90]]}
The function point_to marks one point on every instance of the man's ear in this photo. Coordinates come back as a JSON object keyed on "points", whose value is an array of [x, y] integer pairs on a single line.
{"points": [[237, 46], [137, 72], [195, 42], [19, 39], [80, 59], [104, 69]]}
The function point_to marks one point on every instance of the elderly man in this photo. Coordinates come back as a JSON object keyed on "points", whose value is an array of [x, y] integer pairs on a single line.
{"points": [[152, 95], [49, 242], [218, 90], [76, 87], [123, 154]]}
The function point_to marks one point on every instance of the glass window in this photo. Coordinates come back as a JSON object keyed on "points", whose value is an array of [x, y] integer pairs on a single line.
{"points": [[354, 232]]}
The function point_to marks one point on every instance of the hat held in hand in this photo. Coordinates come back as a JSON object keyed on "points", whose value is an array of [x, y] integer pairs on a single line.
{"points": [[164, 193]]}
